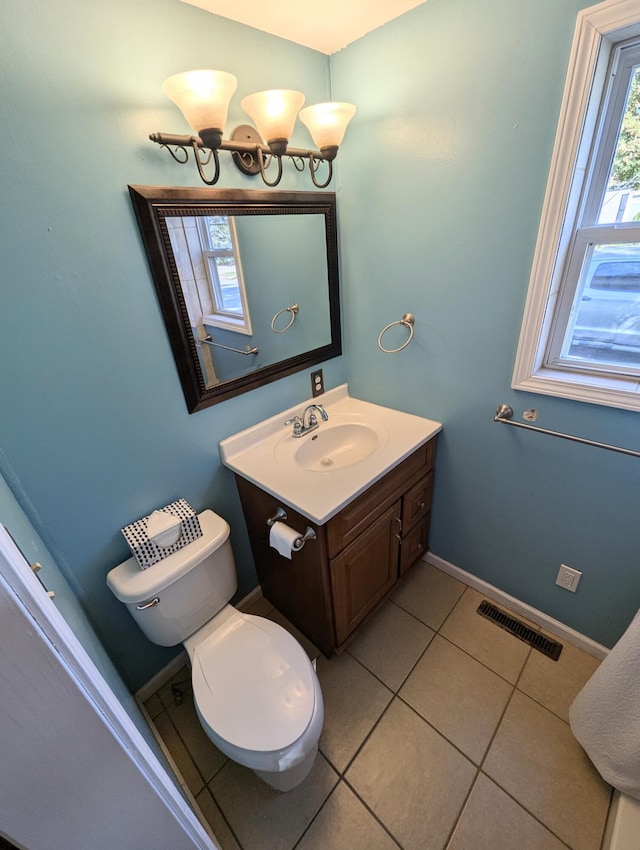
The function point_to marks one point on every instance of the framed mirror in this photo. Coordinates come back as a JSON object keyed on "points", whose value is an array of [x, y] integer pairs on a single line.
{"points": [[247, 283]]}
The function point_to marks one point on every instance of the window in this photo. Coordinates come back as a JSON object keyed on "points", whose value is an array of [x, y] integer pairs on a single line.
{"points": [[581, 330], [224, 274]]}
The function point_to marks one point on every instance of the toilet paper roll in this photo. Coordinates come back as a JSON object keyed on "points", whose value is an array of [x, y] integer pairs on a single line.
{"points": [[282, 538]]}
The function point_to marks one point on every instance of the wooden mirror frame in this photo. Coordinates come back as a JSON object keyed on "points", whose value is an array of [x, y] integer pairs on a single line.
{"points": [[151, 204]]}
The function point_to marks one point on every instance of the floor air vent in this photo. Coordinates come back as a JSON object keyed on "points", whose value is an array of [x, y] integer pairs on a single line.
{"points": [[550, 648]]}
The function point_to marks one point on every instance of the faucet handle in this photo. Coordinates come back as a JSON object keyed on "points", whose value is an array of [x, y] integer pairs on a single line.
{"points": [[297, 425]]}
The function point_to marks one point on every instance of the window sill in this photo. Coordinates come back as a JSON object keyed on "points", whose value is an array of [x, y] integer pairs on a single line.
{"points": [[237, 325], [611, 392]]}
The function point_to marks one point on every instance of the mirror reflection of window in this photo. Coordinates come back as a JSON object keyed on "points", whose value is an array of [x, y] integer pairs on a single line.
{"points": [[285, 246], [223, 267], [187, 254]]}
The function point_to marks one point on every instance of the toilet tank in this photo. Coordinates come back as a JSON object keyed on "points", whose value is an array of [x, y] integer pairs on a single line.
{"points": [[176, 596]]}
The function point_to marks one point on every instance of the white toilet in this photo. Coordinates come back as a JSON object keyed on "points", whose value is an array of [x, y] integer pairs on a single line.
{"points": [[255, 690]]}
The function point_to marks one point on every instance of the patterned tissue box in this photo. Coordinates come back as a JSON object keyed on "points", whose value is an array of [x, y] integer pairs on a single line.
{"points": [[146, 551]]}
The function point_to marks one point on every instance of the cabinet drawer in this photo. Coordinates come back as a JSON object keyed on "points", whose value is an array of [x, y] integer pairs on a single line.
{"points": [[414, 545], [352, 520], [416, 502]]}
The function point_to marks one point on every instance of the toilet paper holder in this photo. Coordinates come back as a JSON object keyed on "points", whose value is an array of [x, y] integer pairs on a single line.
{"points": [[309, 534], [279, 515]]}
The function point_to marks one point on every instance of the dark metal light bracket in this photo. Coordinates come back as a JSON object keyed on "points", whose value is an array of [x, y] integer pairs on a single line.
{"points": [[249, 153], [247, 162]]}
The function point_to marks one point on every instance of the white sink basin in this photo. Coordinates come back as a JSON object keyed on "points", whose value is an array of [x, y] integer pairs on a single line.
{"points": [[340, 442], [320, 473]]}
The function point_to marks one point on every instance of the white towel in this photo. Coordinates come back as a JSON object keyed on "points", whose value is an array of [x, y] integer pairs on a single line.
{"points": [[605, 716]]}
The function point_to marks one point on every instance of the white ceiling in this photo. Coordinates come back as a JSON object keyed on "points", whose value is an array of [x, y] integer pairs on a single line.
{"points": [[327, 26]]}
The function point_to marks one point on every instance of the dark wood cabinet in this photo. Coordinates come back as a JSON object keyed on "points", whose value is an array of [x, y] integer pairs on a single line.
{"points": [[336, 580], [364, 572]]}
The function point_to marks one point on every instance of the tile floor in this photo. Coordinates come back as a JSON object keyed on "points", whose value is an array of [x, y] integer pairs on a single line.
{"points": [[442, 732]]}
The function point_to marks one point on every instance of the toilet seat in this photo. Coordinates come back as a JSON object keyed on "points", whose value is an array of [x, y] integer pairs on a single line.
{"points": [[253, 684]]}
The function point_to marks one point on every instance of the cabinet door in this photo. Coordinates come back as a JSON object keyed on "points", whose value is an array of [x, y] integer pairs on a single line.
{"points": [[352, 520], [365, 571]]}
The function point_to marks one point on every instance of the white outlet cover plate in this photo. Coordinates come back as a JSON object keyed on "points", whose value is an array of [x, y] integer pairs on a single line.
{"points": [[568, 578]]}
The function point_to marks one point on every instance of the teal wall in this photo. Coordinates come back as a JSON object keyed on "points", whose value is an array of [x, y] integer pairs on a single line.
{"points": [[94, 425], [440, 185], [444, 173]]}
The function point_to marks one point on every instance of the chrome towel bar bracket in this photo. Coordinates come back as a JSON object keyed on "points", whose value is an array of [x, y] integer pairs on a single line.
{"points": [[504, 414]]}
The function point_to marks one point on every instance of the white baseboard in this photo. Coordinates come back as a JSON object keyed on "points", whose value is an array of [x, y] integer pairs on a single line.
{"points": [[162, 677], [186, 791], [249, 599], [623, 824], [555, 627]]}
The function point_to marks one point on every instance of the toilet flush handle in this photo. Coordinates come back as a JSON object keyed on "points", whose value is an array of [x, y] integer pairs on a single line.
{"points": [[155, 601]]}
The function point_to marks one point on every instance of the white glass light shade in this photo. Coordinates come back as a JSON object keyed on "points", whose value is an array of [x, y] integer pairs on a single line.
{"points": [[203, 97], [273, 112], [327, 122]]}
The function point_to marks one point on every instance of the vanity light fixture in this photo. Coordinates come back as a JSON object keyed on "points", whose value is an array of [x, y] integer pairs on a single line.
{"points": [[203, 97]]}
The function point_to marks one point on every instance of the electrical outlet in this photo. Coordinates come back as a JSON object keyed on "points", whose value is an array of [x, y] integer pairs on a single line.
{"points": [[317, 383], [568, 578]]}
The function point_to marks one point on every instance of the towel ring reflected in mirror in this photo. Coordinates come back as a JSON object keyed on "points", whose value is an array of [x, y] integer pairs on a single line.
{"points": [[408, 321], [289, 239], [293, 309]]}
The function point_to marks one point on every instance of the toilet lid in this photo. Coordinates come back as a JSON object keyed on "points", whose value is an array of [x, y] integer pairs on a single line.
{"points": [[253, 684]]}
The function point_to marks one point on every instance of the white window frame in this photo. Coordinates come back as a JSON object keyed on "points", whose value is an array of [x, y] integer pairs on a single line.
{"points": [[220, 318], [598, 30]]}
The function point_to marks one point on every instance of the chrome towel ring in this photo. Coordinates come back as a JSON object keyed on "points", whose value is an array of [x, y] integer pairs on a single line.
{"points": [[408, 320], [293, 309]]}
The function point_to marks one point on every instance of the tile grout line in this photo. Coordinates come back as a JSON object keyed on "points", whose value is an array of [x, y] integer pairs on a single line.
{"points": [[437, 731], [413, 667], [461, 812], [514, 687], [493, 779], [460, 648], [524, 808], [205, 782], [341, 774], [341, 779], [415, 617], [314, 818], [191, 797], [479, 768], [224, 817], [372, 813], [397, 694]]}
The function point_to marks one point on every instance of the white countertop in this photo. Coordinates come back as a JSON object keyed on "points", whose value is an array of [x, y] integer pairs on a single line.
{"points": [[320, 495]]}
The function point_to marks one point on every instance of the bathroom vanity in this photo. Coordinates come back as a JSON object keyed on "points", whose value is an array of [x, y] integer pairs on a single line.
{"points": [[363, 500]]}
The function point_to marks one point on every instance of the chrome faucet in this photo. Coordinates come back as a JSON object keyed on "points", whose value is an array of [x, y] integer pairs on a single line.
{"points": [[303, 424]]}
